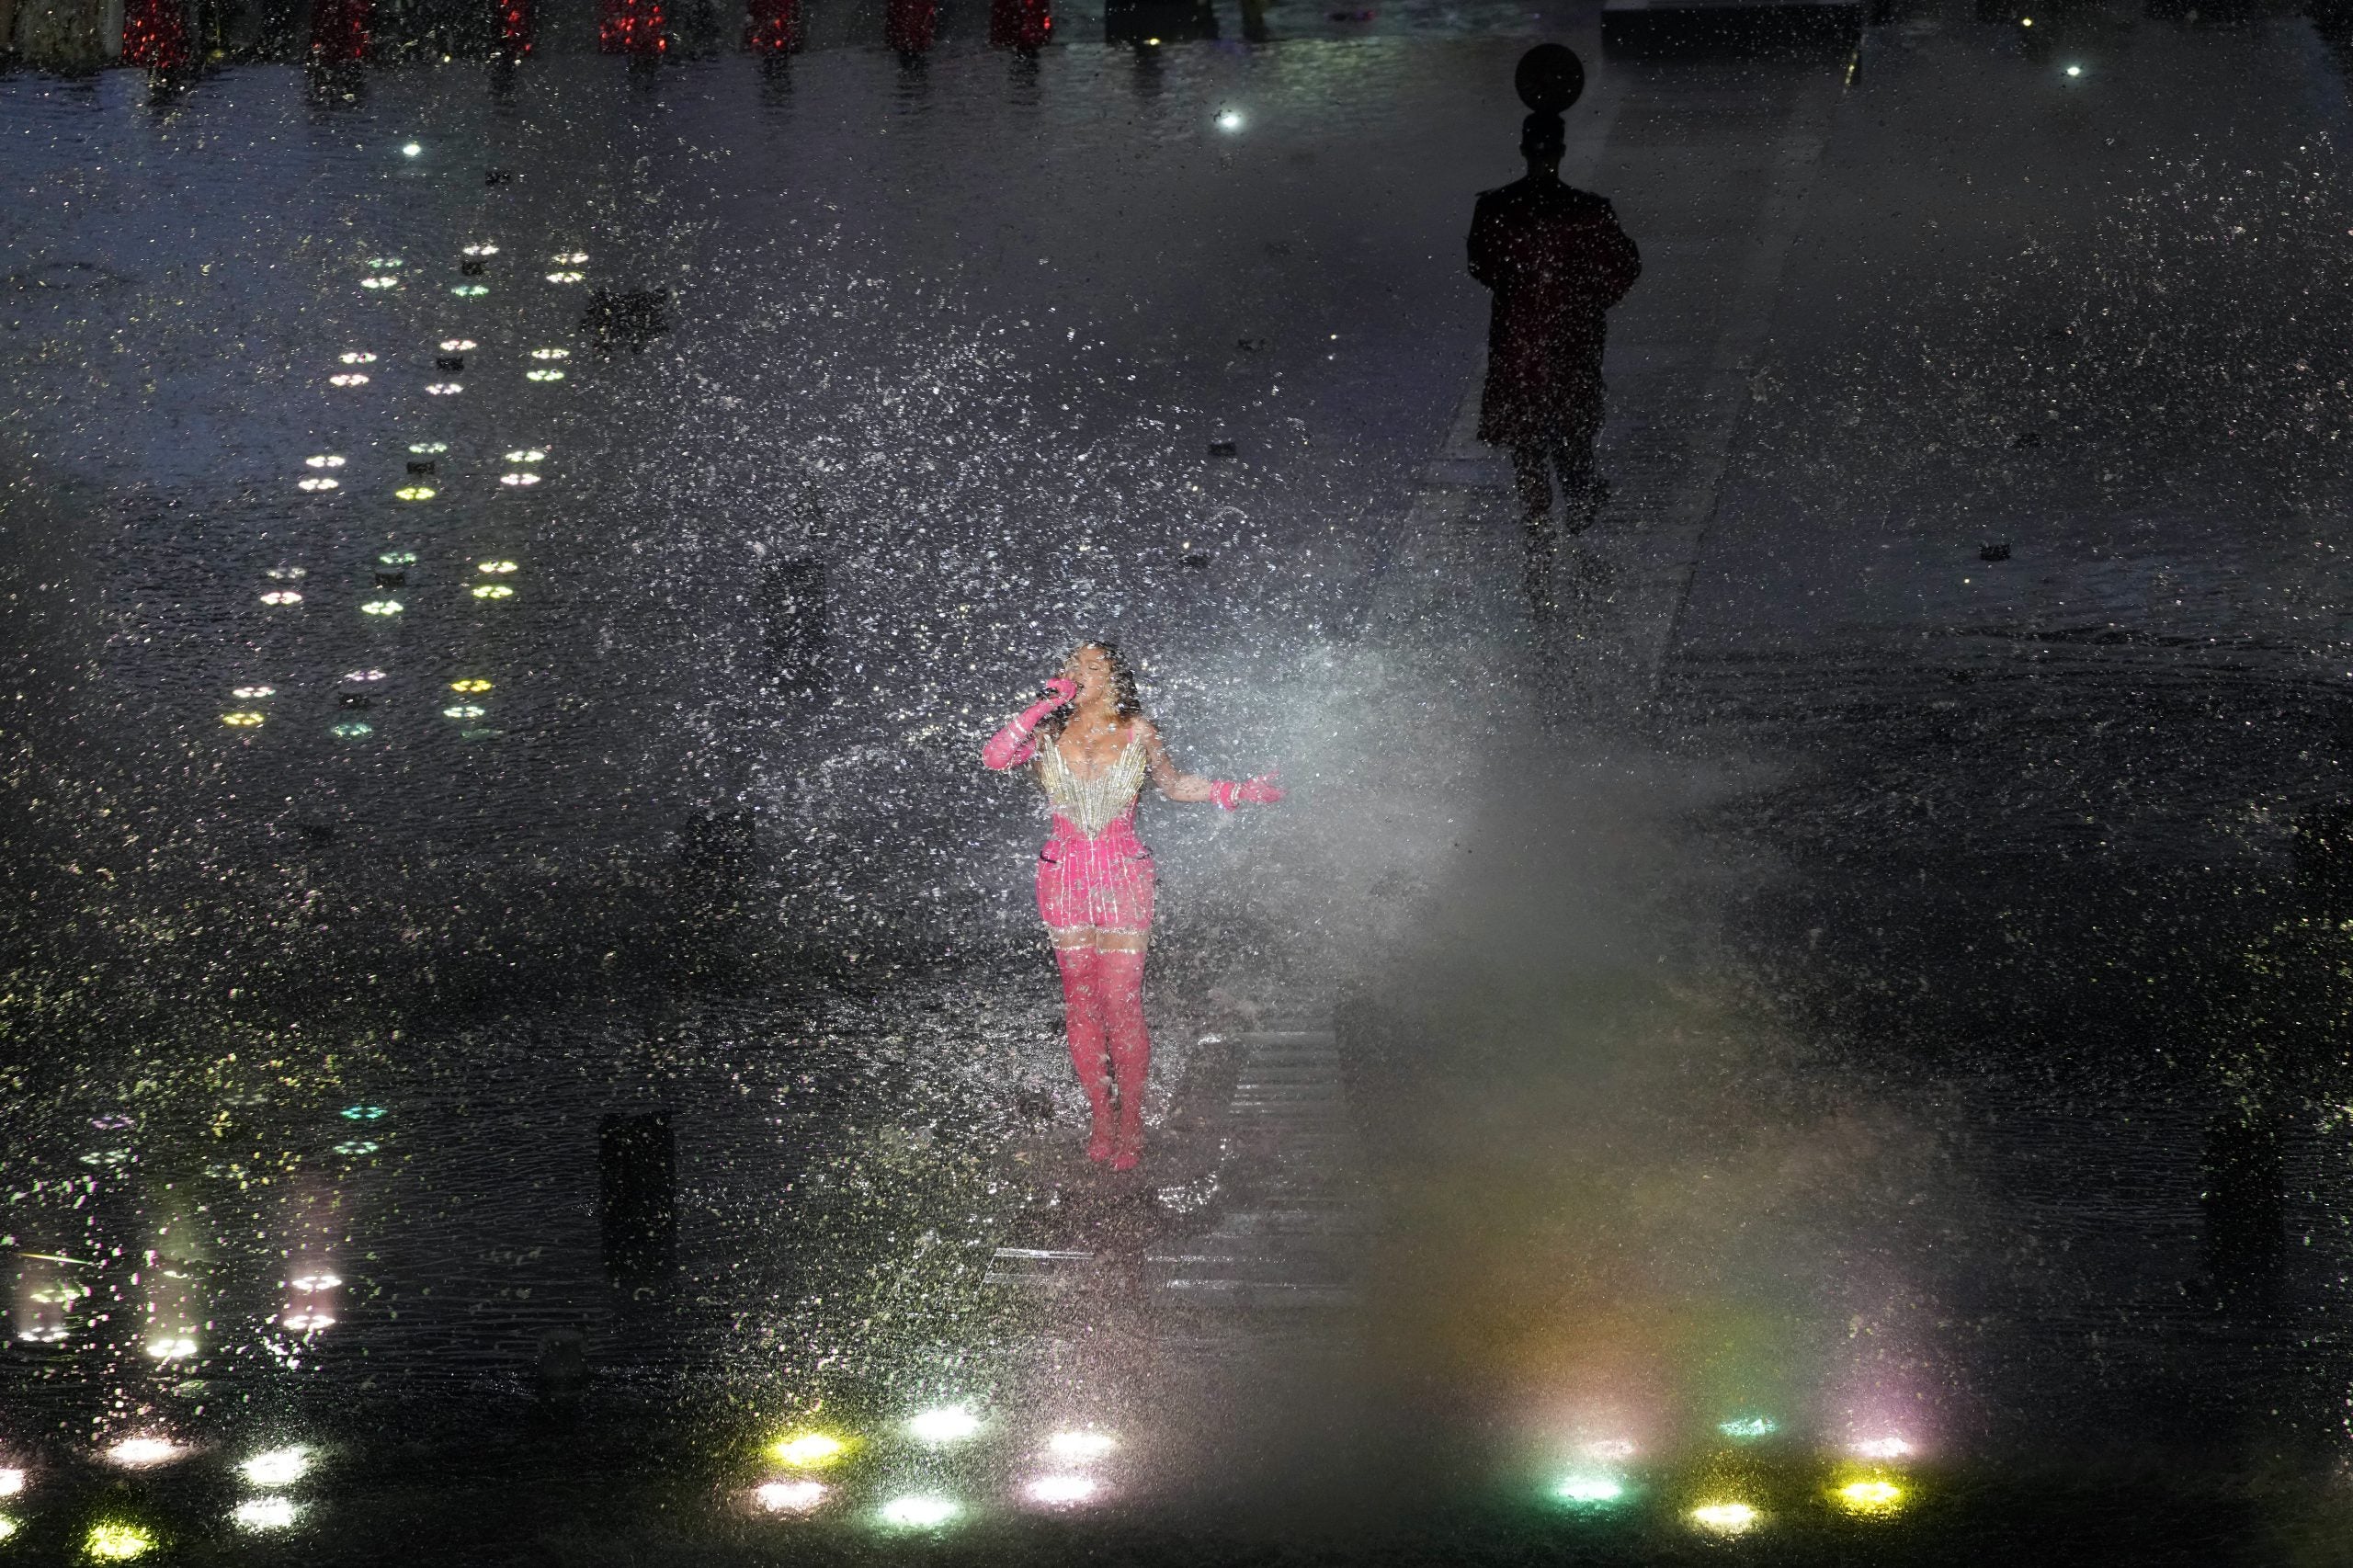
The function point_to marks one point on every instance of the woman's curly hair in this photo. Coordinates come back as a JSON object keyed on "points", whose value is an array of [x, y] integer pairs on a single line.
{"points": [[1125, 702]]}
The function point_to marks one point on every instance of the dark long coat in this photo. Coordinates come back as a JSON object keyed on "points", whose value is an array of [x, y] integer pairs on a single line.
{"points": [[1556, 260]]}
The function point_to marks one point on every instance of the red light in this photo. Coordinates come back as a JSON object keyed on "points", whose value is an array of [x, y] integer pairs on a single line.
{"points": [[155, 34], [1020, 24], [339, 30], [634, 26]]}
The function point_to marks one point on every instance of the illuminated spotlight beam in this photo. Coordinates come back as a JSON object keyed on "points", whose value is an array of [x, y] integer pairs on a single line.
{"points": [[138, 1454], [112, 1541], [943, 1424], [804, 1450], [918, 1511], [1589, 1490], [1062, 1491], [1726, 1518], [266, 1513], [799, 1495], [1081, 1444], [1871, 1496]]}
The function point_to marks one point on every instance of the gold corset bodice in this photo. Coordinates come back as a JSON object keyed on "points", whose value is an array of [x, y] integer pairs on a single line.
{"points": [[1091, 804]]}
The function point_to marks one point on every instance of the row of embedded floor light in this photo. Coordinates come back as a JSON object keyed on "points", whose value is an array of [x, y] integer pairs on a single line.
{"points": [[1074, 1457], [1864, 1486], [381, 274], [1876, 1495], [116, 1539], [467, 712], [424, 462], [1072, 1478], [449, 361]]}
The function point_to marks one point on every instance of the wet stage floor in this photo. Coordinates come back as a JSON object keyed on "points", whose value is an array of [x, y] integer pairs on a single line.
{"points": [[1828, 1056]]}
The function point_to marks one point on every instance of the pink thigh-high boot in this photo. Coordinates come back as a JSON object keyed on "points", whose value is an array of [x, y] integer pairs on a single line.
{"points": [[1083, 1022], [1120, 981]]}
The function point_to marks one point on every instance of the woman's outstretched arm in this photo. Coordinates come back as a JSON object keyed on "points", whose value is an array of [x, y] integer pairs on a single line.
{"points": [[1175, 784], [1017, 741]]}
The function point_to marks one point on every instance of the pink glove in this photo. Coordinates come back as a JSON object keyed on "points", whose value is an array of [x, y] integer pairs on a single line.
{"points": [[1017, 744], [1261, 790]]}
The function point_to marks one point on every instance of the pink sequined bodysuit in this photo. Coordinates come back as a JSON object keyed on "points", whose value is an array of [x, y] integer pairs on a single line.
{"points": [[1092, 871]]}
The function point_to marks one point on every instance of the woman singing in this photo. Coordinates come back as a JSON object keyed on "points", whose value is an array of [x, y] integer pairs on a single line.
{"points": [[1090, 746]]}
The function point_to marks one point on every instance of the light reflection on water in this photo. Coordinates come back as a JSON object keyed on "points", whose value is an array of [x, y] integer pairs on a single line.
{"points": [[277, 1467], [144, 1450], [266, 1513]]}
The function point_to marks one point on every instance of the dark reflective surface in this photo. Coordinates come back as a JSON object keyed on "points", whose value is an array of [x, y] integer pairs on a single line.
{"points": [[526, 1021]]}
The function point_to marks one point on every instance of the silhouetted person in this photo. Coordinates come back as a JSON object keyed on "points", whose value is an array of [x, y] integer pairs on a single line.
{"points": [[1556, 261]]}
